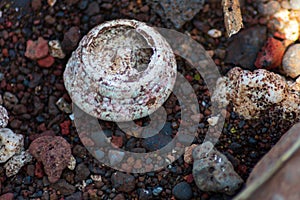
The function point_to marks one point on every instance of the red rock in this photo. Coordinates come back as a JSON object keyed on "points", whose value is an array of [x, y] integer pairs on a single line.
{"points": [[54, 153], [38, 171], [7, 196], [5, 52], [46, 62], [271, 54], [65, 127], [189, 178], [36, 4], [37, 49]]}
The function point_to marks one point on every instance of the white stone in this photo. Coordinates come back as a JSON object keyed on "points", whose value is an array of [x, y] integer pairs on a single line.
{"points": [[55, 49], [72, 163], [3, 117], [14, 164], [213, 120], [10, 143], [214, 33]]}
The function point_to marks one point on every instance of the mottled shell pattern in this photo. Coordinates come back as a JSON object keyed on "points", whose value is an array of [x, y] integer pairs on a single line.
{"points": [[122, 70]]}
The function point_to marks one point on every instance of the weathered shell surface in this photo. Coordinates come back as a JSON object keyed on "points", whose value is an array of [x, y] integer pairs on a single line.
{"points": [[122, 70]]}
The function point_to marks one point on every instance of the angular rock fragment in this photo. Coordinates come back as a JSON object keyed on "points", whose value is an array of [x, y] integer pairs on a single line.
{"points": [[213, 172]]}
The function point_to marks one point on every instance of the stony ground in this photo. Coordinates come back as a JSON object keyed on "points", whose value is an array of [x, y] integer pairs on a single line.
{"points": [[34, 88]]}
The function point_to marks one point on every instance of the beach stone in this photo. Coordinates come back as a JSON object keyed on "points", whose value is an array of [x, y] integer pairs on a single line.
{"points": [[291, 61], [14, 164], [213, 172], [3, 117], [182, 191]]}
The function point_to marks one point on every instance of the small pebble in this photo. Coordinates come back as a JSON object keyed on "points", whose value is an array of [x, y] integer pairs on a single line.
{"points": [[291, 61], [214, 33], [182, 191]]}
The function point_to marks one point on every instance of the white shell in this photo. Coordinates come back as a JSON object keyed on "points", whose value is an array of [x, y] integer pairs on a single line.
{"points": [[107, 76]]}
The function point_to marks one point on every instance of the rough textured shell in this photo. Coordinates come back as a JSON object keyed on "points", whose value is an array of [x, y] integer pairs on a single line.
{"points": [[105, 79]]}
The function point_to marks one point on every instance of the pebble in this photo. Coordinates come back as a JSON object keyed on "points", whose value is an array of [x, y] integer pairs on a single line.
{"points": [[157, 190], [291, 61], [188, 154], [71, 39], [243, 48], [72, 163], [36, 4], [54, 152], [51, 2], [64, 106], [7, 196], [11, 144], [55, 49], [271, 55], [144, 194], [14, 164], [214, 33], [182, 191], [37, 49], [269, 8], [82, 172], [93, 9], [46, 62], [123, 182], [213, 172], [3, 117], [9, 100], [177, 11], [64, 187]]}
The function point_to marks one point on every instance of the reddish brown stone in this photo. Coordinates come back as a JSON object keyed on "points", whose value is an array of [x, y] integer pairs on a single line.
{"points": [[37, 49], [117, 141], [7, 196], [46, 62], [271, 54], [54, 153]]}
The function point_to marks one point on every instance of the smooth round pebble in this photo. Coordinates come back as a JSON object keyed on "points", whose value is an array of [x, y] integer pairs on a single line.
{"points": [[291, 61], [182, 191]]}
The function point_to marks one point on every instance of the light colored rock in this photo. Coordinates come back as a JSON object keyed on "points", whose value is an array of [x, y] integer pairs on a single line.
{"points": [[55, 49], [213, 120], [64, 106], [295, 4], [3, 117], [250, 92], [214, 33], [51, 2], [10, 143], [213, 172], [72, 163], [14, 164], [188, 154], [291, 61], [128, 79]]}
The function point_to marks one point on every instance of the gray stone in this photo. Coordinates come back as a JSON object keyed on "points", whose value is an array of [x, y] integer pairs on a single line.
{"points": [[213, 172], [182, 191], [245, 45], [177, 11], [82, 172], [123, 182], [291, 61], [269, 8], [64, 187]]}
